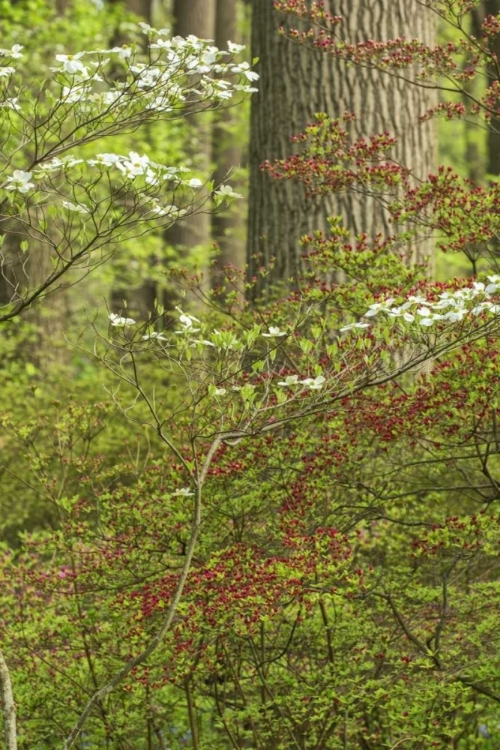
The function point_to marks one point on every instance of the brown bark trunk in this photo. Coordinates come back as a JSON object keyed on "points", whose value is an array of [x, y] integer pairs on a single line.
{"points": [[141, 8], [228, 226], [195, 17], [478, 169], [9, 706], [22, 272], [492, 8], [297, 81], [140, 301], [478, 14]]}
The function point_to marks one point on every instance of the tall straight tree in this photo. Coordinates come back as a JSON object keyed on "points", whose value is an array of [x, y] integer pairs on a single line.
{"points": [[143, 8], [296, 81], [490, 8], [227, 226], [195, 17]]}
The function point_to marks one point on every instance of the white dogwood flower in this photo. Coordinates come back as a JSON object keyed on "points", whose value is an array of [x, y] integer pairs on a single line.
{"points": [[71, 63], [235, 49], [289, 381], [314, 384], [226, 191], [107, 160], [154, 335], [20, 181], [183, 492], [352, 326], [135, 165], [14, 52], [75, 207], [274, 332], [12, 104], [118, 320]]}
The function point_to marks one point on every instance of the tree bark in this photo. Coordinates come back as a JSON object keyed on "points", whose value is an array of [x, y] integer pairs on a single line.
{"points": [[492, 8], [195, 17], [9, 706], [141, 8], [23, 272], [228, 226], [297, 81]]}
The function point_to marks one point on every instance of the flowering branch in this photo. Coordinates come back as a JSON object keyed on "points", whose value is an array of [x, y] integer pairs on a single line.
{"points": [[142, 657], [75, 206]]}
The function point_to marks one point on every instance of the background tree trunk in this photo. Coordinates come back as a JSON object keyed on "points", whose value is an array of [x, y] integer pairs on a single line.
{"points": [[228, 227], [22, 272], [141, 8], [490, 8], [194, 17], [311, 81], [482, 170]]}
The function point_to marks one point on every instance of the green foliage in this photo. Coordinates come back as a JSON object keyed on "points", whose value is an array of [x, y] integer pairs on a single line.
{"points": [[276, 525]]}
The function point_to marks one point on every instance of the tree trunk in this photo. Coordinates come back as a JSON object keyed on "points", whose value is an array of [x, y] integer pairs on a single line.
{"points": [[21, 273], [9, 706], [297, 81], [228, 226], [492, 8], [141, 8], [478, 168], [195, 17]]}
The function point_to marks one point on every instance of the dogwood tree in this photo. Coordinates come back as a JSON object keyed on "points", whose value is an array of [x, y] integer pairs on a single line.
{"points": [[66, 203]]}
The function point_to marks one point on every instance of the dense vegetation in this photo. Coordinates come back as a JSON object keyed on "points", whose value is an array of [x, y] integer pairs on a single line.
{"points": [[241, 518]]}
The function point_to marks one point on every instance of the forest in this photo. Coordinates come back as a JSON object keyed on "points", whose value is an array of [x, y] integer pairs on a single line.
{"points": [[249, 357]]}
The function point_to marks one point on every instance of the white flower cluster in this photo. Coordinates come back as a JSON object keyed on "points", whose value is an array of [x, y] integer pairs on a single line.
{"points": [[119, 321], [14, 52], [274, 332], [76, 208], [130, 166], [55, 164], [225, 192], [19, 181], [449, 306], [154, 335], [187, 322], [183, 492], [314, 384], [134, 165], [164, 81], [12, 103]]}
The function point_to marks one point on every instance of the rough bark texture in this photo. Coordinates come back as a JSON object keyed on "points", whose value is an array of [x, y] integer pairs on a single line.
{"points": [[194, 17], [227, 227], [295, 82], [492, 7], [484, 9]]}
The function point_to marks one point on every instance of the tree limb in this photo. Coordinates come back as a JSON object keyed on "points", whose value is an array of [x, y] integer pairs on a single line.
{"points": [[9, 706]]}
